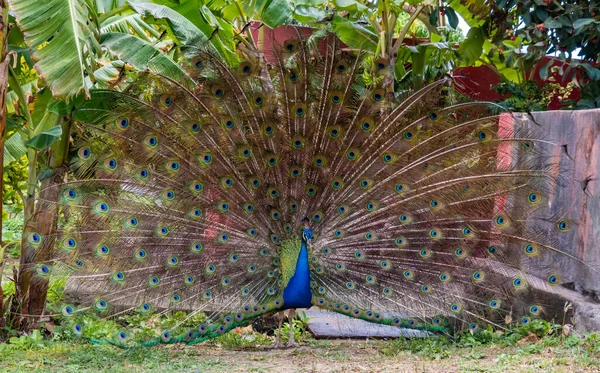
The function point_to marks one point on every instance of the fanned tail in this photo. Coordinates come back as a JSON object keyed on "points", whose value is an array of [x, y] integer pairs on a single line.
{"points": [[427, 212]]}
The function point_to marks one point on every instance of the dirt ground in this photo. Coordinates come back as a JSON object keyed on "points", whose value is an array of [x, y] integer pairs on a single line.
{"points": [[370, 356]]}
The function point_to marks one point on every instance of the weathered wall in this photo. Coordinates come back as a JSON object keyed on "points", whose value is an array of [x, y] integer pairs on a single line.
{"points": [[577, 195]]}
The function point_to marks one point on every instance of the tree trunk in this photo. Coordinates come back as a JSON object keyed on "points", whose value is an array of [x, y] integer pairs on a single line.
{"points": [[44, 222], [4, 60]]}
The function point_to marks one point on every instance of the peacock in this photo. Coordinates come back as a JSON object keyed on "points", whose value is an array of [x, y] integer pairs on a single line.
{"points": [[263, 187]]}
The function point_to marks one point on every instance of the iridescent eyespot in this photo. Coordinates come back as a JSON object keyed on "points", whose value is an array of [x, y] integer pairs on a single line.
{"points": [[42, 270], [218, 92], [553, 279], [151, 141], [408, 135], [254, 183], [342, 66], [196, 247], [100, 305], [533, 198], [102, 250], [229, 124], [110, 163], [494, 303], [195, 127], [352, 154], [271, 160], [320, 161], [70, 193], [564, 225], [246, 67], [334, 132], [519, 283], [69, 243], [377, 95], [205, 159], [478, 276], [460, 253], [84, 153], [153, 281], [290, 46], [122, 123], [433, 116], [381, 64], [140, 254], [530, 249]]}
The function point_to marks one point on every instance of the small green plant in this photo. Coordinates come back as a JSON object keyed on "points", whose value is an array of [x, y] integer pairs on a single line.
{"points": [[34, 340], [241, 337], [300, 324]]}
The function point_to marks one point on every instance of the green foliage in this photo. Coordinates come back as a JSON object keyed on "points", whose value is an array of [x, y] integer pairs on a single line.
{"points": [[300, 324], [529, 30], [241, 337], [527, 96], [35, 340]]}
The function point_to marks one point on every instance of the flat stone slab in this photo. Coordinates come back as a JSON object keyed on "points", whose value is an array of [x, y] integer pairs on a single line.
{"points": [[326, 324]]}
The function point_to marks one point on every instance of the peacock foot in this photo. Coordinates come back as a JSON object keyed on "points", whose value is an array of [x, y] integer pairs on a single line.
{"points": [[275, 346], [292, 344]]}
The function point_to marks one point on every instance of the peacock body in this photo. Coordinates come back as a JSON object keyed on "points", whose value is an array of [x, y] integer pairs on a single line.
{"points": [[421, 211]]}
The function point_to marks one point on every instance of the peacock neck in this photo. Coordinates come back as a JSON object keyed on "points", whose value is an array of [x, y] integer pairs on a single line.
{"points": [[296, 293]]}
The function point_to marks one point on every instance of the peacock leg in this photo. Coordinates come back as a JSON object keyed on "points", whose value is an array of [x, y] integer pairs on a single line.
{"points": [[291, 342], [280, 316]]}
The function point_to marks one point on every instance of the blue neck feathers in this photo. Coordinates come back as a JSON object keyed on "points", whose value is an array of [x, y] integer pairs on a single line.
{"points": [[297, 293]]}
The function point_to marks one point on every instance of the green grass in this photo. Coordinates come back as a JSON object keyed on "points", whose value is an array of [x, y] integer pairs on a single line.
{"points": [[244, 350]]}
